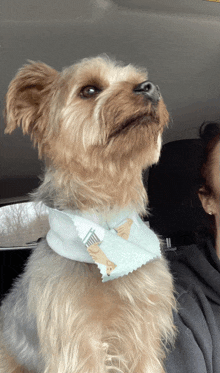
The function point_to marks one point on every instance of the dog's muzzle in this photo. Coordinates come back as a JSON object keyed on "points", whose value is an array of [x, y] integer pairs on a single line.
{"points": [[148, 90]]}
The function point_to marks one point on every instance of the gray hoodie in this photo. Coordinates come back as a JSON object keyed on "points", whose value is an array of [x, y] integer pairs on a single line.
{"points": [[196, 271]]}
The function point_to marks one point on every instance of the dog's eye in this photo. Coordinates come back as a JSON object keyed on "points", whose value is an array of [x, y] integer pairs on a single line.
{"points": [[89, 92]]}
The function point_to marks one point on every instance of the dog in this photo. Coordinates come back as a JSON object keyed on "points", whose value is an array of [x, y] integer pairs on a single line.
{"points": [[97, 125]]}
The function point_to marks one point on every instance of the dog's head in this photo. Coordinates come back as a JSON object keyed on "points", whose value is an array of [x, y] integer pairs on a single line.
{"points": [[97, 123]]}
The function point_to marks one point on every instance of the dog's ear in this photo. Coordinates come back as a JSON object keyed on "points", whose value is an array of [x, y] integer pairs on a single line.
{"points": [[28, 99]]}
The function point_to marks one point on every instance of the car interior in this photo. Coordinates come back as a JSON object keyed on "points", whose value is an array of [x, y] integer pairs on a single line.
{"points": [[176, 40]]}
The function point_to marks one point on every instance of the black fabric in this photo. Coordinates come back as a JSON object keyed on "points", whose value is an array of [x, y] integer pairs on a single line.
{"points": [[175, 209], [18, 186], [12, 263], [196, 271]]}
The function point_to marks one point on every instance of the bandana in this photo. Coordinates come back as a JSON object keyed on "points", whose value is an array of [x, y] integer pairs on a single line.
{"points": [[118, 246]]}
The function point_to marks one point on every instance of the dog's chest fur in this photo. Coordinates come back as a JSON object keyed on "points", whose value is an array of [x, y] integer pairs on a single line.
{"points": [[65, 306]]}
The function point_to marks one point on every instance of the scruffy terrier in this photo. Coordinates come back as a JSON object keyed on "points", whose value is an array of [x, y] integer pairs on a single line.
{"points": [[95, 296]]}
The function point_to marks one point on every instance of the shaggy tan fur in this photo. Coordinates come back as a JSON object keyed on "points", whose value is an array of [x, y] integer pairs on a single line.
{"points": [[96, 136]]}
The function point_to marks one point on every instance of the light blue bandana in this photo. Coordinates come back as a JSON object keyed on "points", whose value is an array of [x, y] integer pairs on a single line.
{"points": [[118, 246]]}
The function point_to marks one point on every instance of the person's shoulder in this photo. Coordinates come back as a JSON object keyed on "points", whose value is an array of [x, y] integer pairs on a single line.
{"points": [[184, 269], [179, 261]]}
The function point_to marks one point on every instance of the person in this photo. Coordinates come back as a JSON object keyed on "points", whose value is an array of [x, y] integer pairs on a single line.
{"points": [[196, 273]]}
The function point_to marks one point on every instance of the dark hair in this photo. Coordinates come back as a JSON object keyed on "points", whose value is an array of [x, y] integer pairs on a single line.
{"points": [[209, 133]]}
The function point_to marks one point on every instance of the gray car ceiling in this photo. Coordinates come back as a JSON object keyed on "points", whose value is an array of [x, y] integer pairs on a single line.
{"points": [[178, 41]]}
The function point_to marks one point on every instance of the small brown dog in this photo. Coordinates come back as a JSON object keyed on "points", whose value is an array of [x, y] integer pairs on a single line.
{"points": [[97, 124]]}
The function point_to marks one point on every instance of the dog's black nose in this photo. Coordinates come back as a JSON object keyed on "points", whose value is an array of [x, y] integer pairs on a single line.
{"points": [[148, 89]]}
